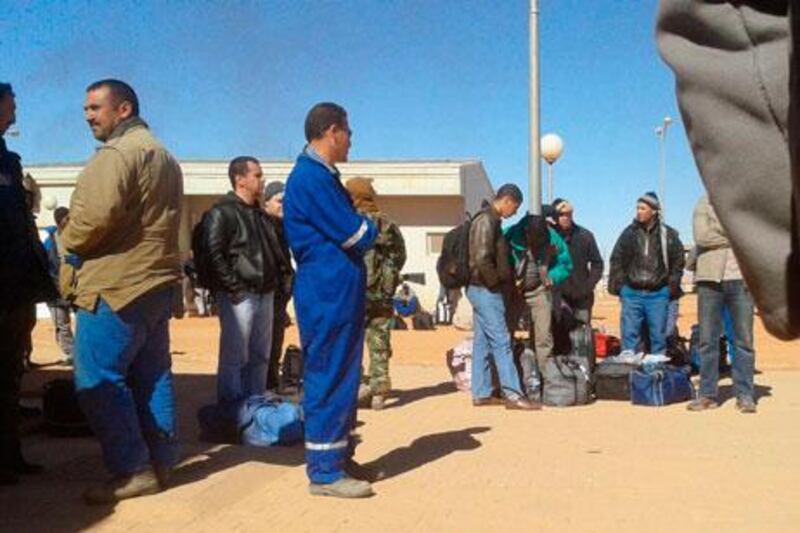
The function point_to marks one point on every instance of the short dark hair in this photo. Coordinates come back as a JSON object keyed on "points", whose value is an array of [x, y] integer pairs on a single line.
{"points": [[120, 92], [321, 117], [6, 89], [238, 167], [60, 214], [509, 190]]}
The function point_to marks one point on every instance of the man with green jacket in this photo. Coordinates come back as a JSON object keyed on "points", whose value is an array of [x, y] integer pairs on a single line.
{"points": [[541, 261]]}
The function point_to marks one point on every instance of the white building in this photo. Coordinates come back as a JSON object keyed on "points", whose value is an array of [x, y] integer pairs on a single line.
{"points": [[425, 198]]}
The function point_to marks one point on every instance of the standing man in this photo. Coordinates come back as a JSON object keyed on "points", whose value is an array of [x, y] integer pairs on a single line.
{"points": [[646, 269], [59, 308], [384, 263], [328, 239], [587, 263], [244, 274], [23, 282], [489, 274], [720, 285], [122, 239], [273, 205]]}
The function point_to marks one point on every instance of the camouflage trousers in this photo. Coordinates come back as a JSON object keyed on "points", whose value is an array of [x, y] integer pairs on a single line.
{"points": [[378, 338]]}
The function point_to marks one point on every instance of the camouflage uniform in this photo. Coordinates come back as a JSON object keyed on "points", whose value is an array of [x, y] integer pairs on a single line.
{"points": [[384, 263]]}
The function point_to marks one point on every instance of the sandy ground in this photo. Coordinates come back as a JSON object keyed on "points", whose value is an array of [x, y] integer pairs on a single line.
{"points": [[452, 467]]}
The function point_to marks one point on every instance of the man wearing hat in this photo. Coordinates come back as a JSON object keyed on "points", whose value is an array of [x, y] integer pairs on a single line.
{"points": [[587, 263], [646, 270], [273, 205]]}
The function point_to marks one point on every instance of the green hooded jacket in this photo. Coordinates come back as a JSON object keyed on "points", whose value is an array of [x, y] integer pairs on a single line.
{"points": [[561, 265]]}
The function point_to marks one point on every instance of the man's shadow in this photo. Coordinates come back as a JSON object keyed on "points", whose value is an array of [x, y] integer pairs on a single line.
{"points": [[425, 450], [727, 392], [405, 397]]}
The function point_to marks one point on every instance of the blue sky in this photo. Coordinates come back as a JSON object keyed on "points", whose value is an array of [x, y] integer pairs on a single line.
{"points": [[421, 79]]}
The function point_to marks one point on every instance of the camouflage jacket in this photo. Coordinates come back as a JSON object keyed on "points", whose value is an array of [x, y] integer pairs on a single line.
{"points": [[385, 260]]}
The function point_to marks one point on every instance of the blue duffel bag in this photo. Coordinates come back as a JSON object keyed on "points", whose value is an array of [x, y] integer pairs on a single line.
{"points": [[267, 420], [661, 385]]}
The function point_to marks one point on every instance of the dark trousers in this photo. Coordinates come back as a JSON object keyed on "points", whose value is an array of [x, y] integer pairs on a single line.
{"points": [[14, 332], [278, 328]]}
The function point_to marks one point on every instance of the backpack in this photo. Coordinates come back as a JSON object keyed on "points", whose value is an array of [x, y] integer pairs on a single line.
{"points": [[202, 261], [452, 267], [292, 368]]}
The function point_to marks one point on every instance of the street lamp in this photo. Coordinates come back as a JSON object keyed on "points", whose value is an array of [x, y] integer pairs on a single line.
{"points": [[661, 133], [552, 148], [534, 165]]}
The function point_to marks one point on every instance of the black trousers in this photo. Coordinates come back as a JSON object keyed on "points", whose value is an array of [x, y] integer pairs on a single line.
{"points": [[14, 335], [278, 329]]}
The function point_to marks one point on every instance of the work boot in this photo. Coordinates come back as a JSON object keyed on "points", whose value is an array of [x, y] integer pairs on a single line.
{"points": [[346, 487], [377, 402], [522, 404], [746, 404], [123, 487], [701, 403]]}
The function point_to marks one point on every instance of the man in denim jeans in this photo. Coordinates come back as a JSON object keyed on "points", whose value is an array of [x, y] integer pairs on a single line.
{"points": [[720, 285], [122, 240], [489, 272], [244, 256], [646, 270]]}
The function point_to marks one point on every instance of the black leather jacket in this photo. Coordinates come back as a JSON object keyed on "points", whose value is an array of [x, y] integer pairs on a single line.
{"points": [[24, 277], [244, 252], [488, 251], [638, 260]]}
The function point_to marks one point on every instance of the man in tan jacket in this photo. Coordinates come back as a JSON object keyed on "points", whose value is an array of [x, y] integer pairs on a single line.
{"points": [[720, 284], [121, 243]]}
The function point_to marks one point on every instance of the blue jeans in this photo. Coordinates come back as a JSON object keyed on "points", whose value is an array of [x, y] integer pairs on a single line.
{"points": [[711, 298], [124, 381], [491, 336], [245, 341], [648, 307]]}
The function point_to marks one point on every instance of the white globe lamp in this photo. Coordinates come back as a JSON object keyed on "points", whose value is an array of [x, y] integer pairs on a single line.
{"points": [[552, 146], [50, 203]]}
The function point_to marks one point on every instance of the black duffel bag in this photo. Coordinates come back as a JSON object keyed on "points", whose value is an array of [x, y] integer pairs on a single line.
{"points": [[612, 381]]}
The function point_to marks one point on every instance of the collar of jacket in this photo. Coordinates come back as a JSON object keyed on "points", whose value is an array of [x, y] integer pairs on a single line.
{"points": [[312, 154], [126, 125], [487, 206], [648, 228]]}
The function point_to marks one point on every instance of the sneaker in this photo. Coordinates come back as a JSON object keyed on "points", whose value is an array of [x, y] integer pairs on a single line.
{"points": [[701, 403], [347, 487], [522, 404], [377, 402], [746, 404], [123, 487]]}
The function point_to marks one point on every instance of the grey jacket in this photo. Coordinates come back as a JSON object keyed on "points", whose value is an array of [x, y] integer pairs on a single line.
{"points": [[712, 244], [734, 76]]}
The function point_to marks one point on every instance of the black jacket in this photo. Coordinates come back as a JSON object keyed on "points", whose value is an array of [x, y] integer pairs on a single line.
{"points": [[285, 262], [24, 277], [243, 249], [638, 260], [488, 251], [587, 266]]}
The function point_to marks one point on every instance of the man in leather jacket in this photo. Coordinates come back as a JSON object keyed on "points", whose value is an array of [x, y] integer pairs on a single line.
{"points": [[489, 272], [646, 270], [23, 281], [245, 269]]}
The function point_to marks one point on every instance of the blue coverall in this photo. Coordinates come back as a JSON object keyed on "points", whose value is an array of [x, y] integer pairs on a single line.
{"points": [[328, 239]]}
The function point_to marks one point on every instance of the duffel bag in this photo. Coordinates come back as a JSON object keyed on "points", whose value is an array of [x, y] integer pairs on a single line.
{"points": [[662, 385], [566, 381], [612, 381], [265, 421]]}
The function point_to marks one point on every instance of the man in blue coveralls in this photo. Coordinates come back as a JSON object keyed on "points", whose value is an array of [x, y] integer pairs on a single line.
{"points": [[328, 239]]}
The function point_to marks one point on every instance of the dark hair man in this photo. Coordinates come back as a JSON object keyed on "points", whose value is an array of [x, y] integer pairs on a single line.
{"points": [[273, 206], [646, 269], [241, 246], [23, 282], [587, 263], [122, 239], [328, 239], [489, 272]]}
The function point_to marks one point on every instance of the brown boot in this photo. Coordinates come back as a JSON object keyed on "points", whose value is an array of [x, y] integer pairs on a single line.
{"points": [[123, 487], [522, 404]]}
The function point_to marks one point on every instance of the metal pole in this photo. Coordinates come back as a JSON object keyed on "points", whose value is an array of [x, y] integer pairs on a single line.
{"points": [[534, 149], [661, 169]]}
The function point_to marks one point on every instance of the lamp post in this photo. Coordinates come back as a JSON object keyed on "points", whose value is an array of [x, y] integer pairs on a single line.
{"points": [[661, 132], [534, 166], [552, 148]]}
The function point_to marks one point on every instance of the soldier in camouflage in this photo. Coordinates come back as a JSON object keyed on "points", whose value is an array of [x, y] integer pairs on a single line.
{"points": [[384, 263]]}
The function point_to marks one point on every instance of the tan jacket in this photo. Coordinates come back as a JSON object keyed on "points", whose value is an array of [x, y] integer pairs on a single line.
{"points": [[711, 241], [124, 219]]}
